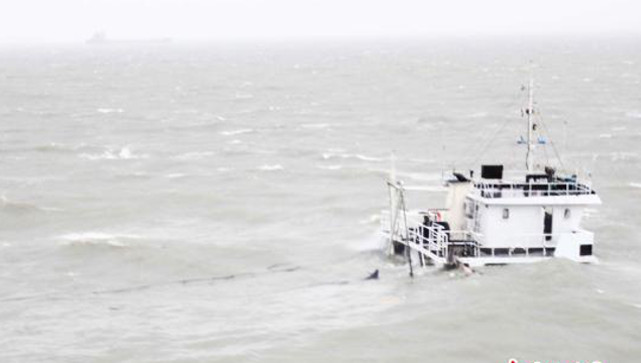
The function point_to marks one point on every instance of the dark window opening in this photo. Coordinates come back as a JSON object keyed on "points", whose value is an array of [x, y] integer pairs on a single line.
{"points": [[518, 251], [586, 250], [547, 225], [535, 251], [501, 251]]}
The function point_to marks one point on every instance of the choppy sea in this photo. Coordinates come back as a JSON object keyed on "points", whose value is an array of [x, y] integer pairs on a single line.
{"points": [[210, 202]]}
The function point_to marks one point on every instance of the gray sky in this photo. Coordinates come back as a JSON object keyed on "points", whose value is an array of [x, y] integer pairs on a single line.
{"points": [[71, 20]]}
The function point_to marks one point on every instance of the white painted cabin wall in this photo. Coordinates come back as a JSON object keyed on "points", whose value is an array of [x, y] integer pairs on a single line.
{"points": [[523, 228], [562, 225]]}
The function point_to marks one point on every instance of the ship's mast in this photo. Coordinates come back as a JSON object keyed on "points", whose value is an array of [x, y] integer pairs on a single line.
{"points": [[529, 159]]}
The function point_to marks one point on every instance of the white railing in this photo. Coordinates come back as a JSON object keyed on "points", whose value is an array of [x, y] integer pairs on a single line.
{"points": [[514, 190], [434, 241]]}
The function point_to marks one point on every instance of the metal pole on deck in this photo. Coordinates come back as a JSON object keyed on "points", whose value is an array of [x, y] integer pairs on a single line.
{"points": [[407, 235]]}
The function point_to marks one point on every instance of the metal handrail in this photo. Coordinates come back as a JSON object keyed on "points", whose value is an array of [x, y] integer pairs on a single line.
{"points": [[497, 190]]}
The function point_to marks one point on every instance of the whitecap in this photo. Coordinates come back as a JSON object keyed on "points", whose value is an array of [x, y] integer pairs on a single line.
{"points": [[194, 155], [605, 136], [125, 153], [274, 167], [97, 239], [330, 167], [635, 185], [329, 155], [369, 158], [175, 175], [633, 114], [236, 132], [114, 154], [373, 219], [110, 110]]}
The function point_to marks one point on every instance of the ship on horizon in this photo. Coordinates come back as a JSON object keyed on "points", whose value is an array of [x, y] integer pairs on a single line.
{"points": [[100, 37]]}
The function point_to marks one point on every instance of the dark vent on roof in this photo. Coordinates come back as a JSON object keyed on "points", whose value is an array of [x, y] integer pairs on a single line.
{"points": [[492, 171]]}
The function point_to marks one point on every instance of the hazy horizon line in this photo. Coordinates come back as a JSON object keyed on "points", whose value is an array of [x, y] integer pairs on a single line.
{"points": [[570, 35]]}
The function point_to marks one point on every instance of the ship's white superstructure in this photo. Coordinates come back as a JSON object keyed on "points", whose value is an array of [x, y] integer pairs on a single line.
{"points": [[495, 218]]}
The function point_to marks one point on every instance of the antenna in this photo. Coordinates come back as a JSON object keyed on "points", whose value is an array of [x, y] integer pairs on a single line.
{"points": [[392, 172], [529, 111]]}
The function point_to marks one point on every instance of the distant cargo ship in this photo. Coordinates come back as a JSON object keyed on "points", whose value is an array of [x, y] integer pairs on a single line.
{"points": [[100, 37]]}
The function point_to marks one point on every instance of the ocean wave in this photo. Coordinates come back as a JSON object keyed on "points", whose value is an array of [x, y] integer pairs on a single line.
{"points": [[331, 155], [98, 239], [314, 126], [243, 96], [635, 185], [427, 188], [135, 174], [623, 156], [124, 153], [419, 176], [58, 147], [477, 115], [17, 206], [236, 132], [633, 114]]}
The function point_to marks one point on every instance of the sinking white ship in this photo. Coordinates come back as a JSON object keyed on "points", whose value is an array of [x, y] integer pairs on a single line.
{"points": [[495, 219]]}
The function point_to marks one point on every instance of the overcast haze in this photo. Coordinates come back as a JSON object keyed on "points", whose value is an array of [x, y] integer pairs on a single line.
{"points": [[76, 20]]}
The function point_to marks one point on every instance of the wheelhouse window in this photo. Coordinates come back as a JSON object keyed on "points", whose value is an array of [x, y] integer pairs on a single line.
{"points": [[506, 213], [567, 213]]}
